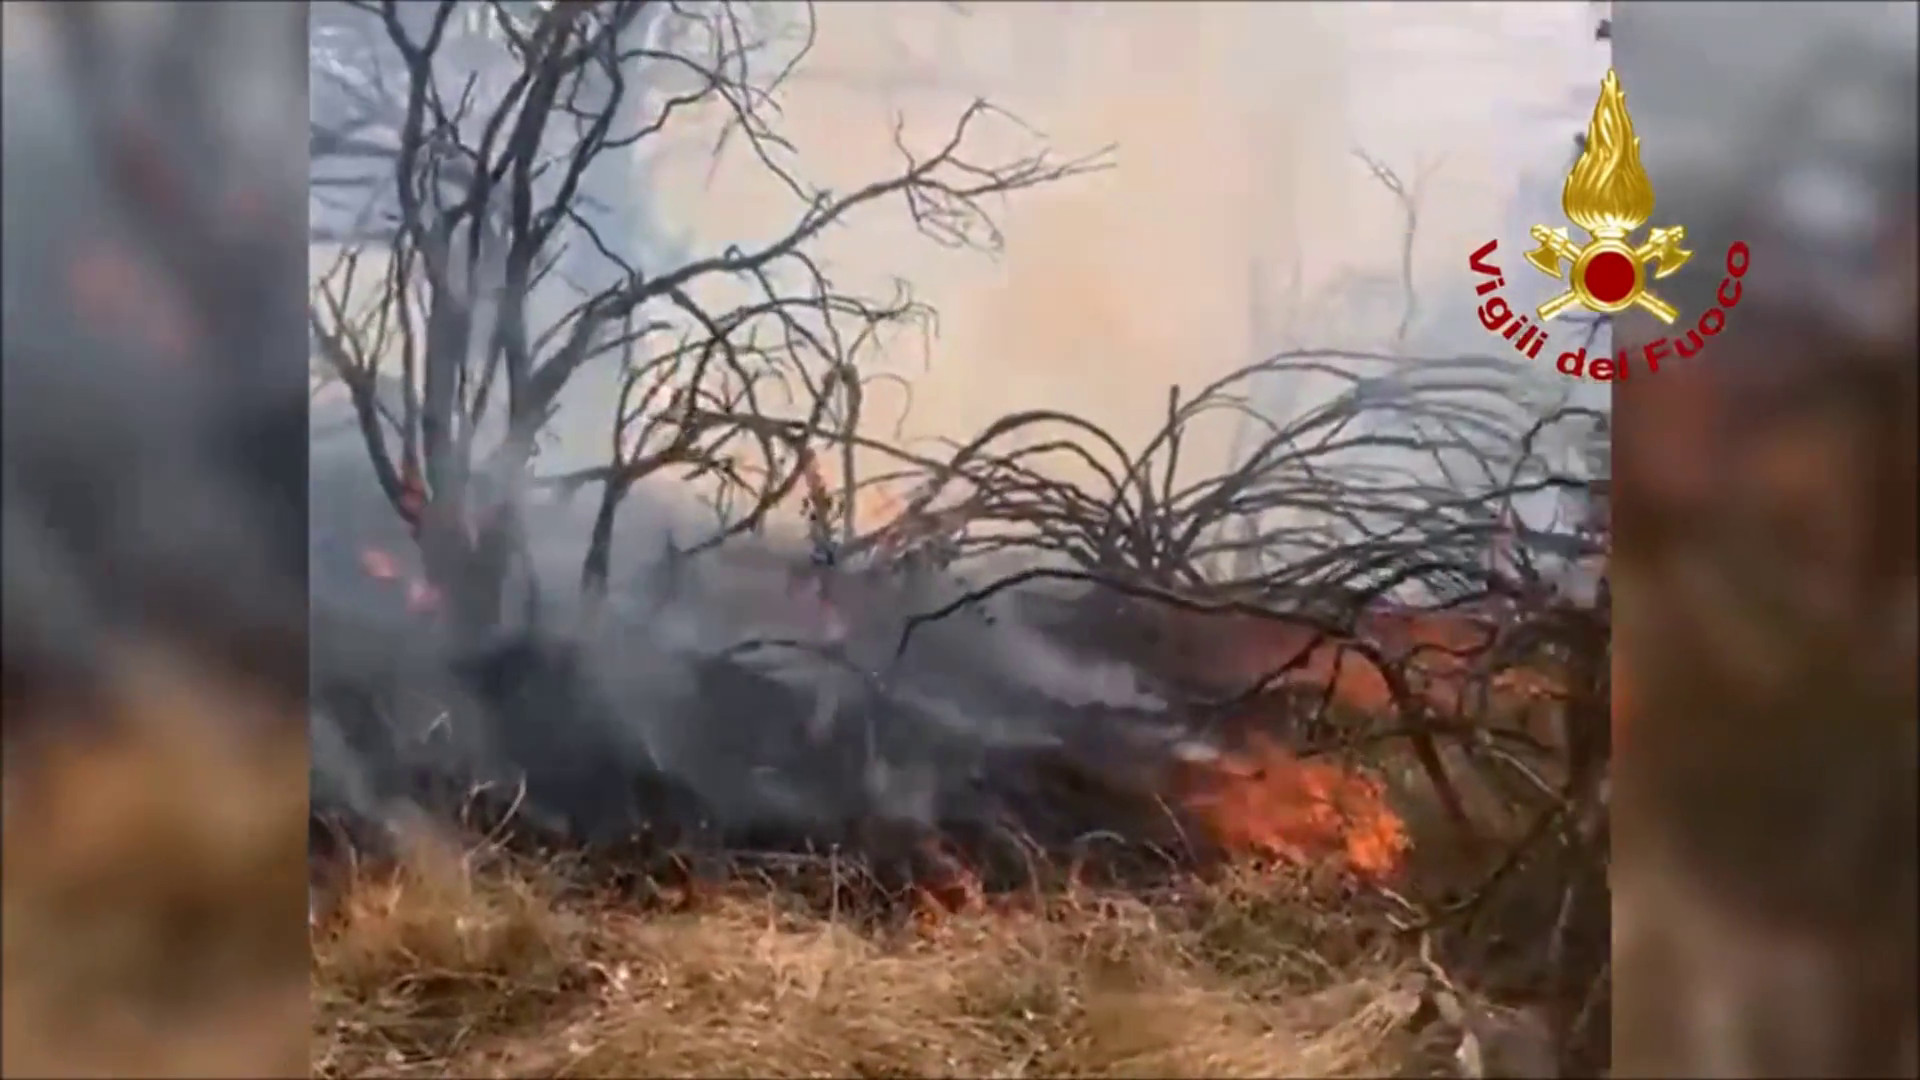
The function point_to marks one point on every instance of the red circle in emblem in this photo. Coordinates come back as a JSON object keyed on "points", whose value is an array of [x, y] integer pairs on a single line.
{"points": [[1609, 277]]}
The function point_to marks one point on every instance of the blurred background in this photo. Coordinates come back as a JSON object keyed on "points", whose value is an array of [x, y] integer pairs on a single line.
{"points": [[156, 246], [1763, 564], [154, 523]]}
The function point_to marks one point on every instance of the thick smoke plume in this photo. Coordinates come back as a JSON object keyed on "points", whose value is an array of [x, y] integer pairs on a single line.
{"points": [[751, 693]]}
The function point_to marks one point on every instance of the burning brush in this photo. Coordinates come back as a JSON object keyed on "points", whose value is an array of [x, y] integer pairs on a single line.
{"points": [[1265, 802], [758, 706]]}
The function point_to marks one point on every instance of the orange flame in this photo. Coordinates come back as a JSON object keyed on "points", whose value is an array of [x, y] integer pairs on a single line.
{"points": [[947, 887], [422, 596], [1264, 801], [1442, 648]]}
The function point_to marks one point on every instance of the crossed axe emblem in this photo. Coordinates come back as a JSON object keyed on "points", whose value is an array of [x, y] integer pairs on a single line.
{"points": [[1604, 260]]}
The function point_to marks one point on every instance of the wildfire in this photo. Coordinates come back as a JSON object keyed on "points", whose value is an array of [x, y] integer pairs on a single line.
{"points": [[947, 886], [1263, 801], [1441, 650]]}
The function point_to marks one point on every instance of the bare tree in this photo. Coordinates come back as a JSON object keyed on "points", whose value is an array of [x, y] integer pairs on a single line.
{"points": [[486, 182]]}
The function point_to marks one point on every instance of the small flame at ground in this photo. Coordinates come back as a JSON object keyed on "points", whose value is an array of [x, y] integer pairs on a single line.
{"points": [[1264, 801], [947, 887]]}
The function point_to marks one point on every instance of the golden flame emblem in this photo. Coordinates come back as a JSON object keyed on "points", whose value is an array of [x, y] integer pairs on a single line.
{"points": [[1608, 195]]}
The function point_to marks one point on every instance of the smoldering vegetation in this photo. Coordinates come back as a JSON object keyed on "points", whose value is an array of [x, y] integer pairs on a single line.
{"points": [[655, 646], [1017, 682], [745, 693], [752, 621]]}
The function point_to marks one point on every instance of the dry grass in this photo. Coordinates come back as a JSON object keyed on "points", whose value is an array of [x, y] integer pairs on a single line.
{"points": [[468, 961], [153, 881], [445, 967]]}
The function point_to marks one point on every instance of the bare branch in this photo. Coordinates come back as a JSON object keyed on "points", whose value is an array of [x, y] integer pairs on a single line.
{"points": [[490, 129]]}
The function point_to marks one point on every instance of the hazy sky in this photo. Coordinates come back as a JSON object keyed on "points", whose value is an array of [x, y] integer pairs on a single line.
{"points": [[1235, 222], [1234, 125]]}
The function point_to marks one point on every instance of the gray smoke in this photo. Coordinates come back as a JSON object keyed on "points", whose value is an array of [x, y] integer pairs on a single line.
{"points": [[765, 693]]}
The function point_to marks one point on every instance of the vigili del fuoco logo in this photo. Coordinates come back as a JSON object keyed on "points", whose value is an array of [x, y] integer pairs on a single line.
{"points": [[1607, 195]]}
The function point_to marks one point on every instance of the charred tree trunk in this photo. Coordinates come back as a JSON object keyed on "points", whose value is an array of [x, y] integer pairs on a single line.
{"points": [[469, 563]]}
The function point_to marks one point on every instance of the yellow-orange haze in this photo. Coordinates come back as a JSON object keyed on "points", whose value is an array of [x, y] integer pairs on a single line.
{"points": [[1234, 126]]}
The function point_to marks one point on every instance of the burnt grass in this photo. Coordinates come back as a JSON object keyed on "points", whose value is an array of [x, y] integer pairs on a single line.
{"points": [[1019, 818]]}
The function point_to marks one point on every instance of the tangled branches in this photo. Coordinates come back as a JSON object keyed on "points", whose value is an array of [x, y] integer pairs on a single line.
{"points": [[1372, 571], [475, 303]]}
